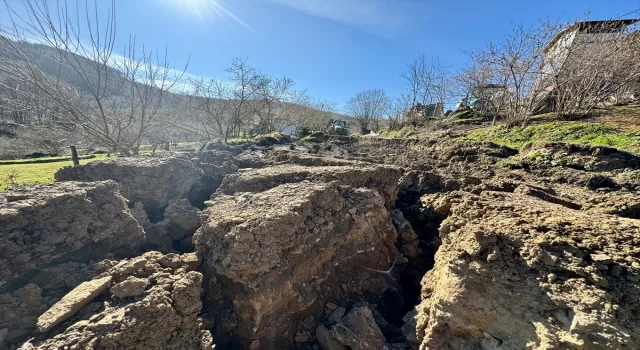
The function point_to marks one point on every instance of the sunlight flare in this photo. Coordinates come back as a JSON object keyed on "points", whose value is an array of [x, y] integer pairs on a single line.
{"points": [[206, 10]]}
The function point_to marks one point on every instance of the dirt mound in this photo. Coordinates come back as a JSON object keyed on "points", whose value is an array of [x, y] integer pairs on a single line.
{"points": [[48, 234], [383, 179], [152, 181], [306, 159], [165, 193], [149, 302], [580, 157], [70, 221], [279, 255], [446, 244], [517, 272]]}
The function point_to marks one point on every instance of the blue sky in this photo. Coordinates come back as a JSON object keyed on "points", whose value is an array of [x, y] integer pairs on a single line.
{"points": [[335, 48]]}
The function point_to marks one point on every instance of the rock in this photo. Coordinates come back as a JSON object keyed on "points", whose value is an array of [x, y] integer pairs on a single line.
{"points": [[126, 267], [63, 222], [140, 214], [3, 334], [255, 344], [301, 337], [272, 244], [359, 331], [171, 260], [602, 258], [408, 328], [331, 306], [131, 287], [187, 298], [72, 303], [408, 238], [336, 315], [183, 214], [326, 340], [191, 261]]}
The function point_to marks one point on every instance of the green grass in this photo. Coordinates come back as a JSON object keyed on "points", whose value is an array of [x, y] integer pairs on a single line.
{"points": [[559, 131], [41, 173]]}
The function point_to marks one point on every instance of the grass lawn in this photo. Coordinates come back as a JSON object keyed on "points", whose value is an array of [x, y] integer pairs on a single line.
{"points": [[559, 131], [35, 173]]}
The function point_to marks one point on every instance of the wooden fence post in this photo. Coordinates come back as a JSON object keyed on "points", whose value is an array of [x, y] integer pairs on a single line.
{"points": [[74, 156]]}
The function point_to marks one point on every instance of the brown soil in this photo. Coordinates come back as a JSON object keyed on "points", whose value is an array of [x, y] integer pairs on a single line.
{"points": [[329, 243]]}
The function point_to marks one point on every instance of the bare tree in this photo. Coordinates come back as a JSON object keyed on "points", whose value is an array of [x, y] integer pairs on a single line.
{"points": [[427, 84], [209, 106], [398, 109], [589, 63], [504, 75], [246, 84], [112, 99], [313, 114], [368, 108], [272, 108]]}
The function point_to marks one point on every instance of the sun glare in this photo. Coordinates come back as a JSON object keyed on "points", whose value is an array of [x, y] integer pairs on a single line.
{"points": [[200, 9], [206, 10]]}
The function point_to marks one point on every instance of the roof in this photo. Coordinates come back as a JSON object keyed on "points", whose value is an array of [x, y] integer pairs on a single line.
{"points": [[609, 26]]}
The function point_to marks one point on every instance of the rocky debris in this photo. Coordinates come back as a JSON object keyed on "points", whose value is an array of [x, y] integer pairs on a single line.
{"points": [[277, 253], [20, 308], [150, 180], [72, 303], [158, 310], [518, 272], [383, 179], [63, 222], [359, 331]]}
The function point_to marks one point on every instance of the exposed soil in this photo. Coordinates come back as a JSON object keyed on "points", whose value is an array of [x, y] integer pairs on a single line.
{"points": [[329, 243]]}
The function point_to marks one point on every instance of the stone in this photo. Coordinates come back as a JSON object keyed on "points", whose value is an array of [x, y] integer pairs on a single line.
{"points": [[326, 340], [336, 315], [72, 303], [359, 331], [301, 337], [131, 287], [126, 267]]}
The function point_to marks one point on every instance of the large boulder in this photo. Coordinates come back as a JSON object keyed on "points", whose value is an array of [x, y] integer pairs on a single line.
{"points": [[515, 271], [280, 253], [62, 222], [383, 179], [150, 302]]}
